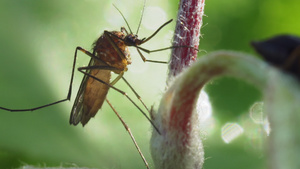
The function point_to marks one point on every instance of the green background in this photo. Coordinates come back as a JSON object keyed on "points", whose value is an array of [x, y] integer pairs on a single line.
{"points": [[37, 44]]}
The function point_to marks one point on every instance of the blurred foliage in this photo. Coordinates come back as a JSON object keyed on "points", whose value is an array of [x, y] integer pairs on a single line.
{"points": [[38, 39]]}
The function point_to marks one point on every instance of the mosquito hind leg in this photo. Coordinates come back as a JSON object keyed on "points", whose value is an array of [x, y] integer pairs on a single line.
{"points": [[121, 75], [136, 94], [69, 91], [130, 134]]}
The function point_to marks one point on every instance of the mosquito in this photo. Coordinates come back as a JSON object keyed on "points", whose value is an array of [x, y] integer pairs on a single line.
{"points": [[110, 54]]}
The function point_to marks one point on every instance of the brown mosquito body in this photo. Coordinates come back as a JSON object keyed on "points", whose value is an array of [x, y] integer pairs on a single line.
{"points": [[110, 54], [92, 92]]}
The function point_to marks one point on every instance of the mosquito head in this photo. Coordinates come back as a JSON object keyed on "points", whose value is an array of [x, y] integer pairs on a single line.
{"points": [[133, 40]]}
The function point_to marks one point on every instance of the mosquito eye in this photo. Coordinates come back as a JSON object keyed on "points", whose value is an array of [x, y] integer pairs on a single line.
{"points": [[133, 37]]}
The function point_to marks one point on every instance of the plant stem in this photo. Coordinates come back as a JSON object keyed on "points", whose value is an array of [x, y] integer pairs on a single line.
{"points": [[187, 33]]}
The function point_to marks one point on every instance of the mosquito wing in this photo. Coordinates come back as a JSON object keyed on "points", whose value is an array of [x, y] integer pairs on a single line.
{"points": [[77, 109], [92, 93]]}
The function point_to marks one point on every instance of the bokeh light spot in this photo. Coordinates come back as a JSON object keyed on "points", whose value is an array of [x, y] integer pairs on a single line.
{"points": [[266, 126], [204, 111], [256, 112], [204, 107], [231, 131]]}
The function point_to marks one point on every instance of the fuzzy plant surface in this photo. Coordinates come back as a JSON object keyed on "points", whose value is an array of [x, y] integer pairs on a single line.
{"points": [[180, 143]]}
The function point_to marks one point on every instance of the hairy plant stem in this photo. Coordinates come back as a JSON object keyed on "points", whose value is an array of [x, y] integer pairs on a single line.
{"points": [[178, 146], [187, 33]]}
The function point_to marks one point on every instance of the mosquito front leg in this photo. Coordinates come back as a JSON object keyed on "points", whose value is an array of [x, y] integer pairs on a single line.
{"points": [[146, 60], [162, 49], [158, 50]]}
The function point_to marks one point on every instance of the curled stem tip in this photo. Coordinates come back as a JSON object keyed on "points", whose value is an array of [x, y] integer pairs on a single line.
{"points": [[180, 144]]}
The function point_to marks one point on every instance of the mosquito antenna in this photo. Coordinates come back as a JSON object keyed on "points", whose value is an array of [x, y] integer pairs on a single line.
{"points": [[137, 31], [123, 18]]}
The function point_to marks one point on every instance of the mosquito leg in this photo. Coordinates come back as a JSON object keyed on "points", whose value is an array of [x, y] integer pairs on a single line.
{"points": [[117, 49], [117, 79], [123, 29], [120, 91], [131, 135], [35, 108], [158, 50], [136, 94], [146, 60], [89, 54], [69, 91]]}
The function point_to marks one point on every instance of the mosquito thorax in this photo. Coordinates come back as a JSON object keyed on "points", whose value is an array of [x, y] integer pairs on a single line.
{"points": [[107, 53]]}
